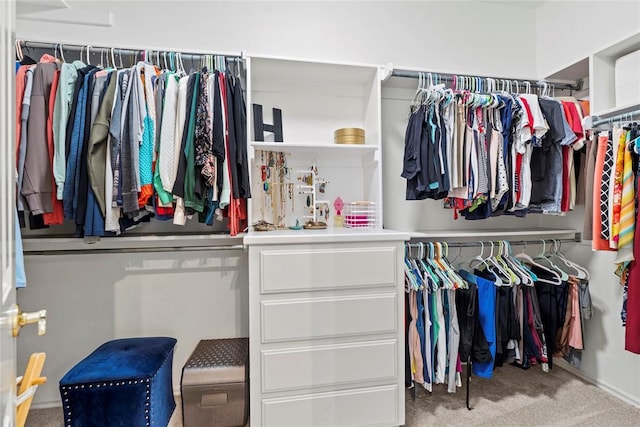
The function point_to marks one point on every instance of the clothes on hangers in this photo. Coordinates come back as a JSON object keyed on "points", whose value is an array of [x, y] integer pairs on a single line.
{"points": [[492, 154], [487, 319], [612, 213], [107, 148]]}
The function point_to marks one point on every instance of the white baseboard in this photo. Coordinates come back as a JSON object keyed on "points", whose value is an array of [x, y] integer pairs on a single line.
{"points": [[56, 403], [615, 392], [46, 404]]}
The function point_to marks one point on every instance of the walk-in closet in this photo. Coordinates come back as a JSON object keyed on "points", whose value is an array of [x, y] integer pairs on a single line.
{"points": [[318, 213]]}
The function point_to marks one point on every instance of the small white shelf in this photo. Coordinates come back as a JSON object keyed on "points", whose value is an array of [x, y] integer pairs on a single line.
{"points": [[43, 245], [621, 48], [289, 147], [498, 234], [615, 111]]}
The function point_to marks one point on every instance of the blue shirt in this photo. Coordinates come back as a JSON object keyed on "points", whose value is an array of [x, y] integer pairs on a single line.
{"points": [[21, 277]]}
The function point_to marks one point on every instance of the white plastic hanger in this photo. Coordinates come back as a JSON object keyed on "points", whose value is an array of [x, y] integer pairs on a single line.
{"points": [[582, 273], [523, 275], [442, 262], [19, 53], [460, 281], [528, 277], [444, 282], [556, 281], [501, 258], [502, 277], [542, 256]]}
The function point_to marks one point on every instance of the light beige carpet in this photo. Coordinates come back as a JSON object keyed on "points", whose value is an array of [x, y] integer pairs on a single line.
{"points": [[515, 397], [512, 398]]}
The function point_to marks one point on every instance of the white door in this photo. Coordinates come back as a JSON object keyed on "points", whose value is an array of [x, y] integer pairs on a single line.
{"points": [[7, 206]]}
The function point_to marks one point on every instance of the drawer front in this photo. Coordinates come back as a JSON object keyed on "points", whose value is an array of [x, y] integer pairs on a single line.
{"points": [[376, 406], [307, 367], [322, 269], [308, 318]]}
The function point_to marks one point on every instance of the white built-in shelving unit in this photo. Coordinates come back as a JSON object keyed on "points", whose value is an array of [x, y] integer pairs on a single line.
{"points": [[326, 306], [316, 98]]}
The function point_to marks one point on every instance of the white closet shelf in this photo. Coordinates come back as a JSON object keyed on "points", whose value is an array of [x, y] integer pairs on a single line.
{"points": [[528, 234], [124, 243], [617, 110], [294, 147], [621, 48]]}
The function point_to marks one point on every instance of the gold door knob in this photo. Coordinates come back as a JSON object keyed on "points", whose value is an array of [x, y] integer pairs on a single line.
{"points": [[20, 319]]}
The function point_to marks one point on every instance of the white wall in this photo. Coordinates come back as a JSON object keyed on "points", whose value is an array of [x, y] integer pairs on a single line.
{"points": [[568, 31], [442, 35], [93, 298]]}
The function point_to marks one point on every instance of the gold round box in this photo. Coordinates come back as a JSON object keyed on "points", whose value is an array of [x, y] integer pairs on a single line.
{"points": [[349, 136]]}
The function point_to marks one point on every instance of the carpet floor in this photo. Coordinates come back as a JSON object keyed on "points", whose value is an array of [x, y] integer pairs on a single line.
{"points": [[512, 398]]}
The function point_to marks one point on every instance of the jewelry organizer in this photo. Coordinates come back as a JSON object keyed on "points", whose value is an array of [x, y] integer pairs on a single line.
{"points": [[312, 185], [276, 199]]}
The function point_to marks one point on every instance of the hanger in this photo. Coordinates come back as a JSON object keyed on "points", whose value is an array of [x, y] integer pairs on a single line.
{"points": [[582, 272], [500, 274], [458, 256], [436, 255], [444, 260], [101, 63], [416, 266], [528, 259], [181, 64], [556, 277], [520, 276], [542, 256], [20, 54], [427, 268], [514, 279], [529, 276], [172, 64], [62, 53], [478, 257], [411, 281]]}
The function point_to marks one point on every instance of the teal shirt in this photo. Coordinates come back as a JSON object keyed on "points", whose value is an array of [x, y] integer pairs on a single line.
{"points": [[61, 110]]}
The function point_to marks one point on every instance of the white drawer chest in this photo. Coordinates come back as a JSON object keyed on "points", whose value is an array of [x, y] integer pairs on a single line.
{"points": [[326, 328]]}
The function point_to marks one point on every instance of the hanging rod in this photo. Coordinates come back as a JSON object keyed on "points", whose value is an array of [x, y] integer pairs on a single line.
{"points": [[451, 77], [620, 117], [133, 250], [26, 44], [511, 242]]}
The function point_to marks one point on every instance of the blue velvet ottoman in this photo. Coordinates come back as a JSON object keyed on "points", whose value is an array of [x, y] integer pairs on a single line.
{"points": [[125, 382]]}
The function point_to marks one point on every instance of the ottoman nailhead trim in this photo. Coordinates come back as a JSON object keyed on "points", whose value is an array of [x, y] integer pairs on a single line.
{"points": [[147, 401]]}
